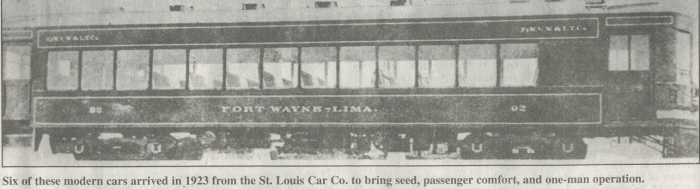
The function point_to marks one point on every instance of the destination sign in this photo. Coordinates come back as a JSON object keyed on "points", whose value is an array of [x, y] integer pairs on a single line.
{"points": [[320, 110], [417, 31]]}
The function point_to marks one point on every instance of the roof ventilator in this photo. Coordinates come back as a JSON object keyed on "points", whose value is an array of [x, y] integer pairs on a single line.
{"points": [[252, 6], [396, 3], [326, 4], [519, 1], [595, 4], [177, 7]]}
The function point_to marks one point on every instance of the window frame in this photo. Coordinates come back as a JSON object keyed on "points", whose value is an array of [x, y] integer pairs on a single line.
{"points": [[374, 61], [114, 67], [5, 46], [629, 51], [335, 62], [497, 57], [152, 65], [415, 60], [690, 62], [298, 69], [379, 61], [79, 70], [222, 51], [455, 52], [501, 65], [29, 78], [259, 68]]}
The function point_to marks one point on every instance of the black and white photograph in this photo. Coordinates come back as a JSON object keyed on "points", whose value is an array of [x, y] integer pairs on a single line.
{"points": [[229, 83]]}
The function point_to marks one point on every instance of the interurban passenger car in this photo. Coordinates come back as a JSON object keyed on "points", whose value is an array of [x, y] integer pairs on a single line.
{"points": [[471, 80]]}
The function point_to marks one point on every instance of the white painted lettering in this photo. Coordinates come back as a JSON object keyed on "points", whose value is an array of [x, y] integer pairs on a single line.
{"points": [[224, 108]]}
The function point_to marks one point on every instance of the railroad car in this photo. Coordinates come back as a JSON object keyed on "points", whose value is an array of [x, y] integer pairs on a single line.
{"points": [[511, 79]]}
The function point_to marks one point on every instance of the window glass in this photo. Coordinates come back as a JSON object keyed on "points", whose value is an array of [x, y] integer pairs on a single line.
{"points": [[62, 72], [15, 63], [357, 67], [477, 66], [519, 65], [280, 67], [169, 69], [683, 58], [206, 69], [242, 68], [397, 67], [318, 67], [132, 70], [619, 53], [436, 66], [683, 53], [15, 81], [98, 69], [639, 49]]}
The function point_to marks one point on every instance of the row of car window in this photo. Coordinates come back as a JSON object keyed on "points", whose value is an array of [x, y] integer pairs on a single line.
{"points": [[434, 66]]}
